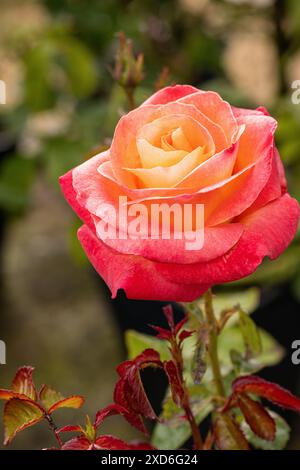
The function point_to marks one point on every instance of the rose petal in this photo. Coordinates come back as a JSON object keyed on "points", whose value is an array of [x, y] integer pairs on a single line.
{"points": [[258, 133], [168, 177], [170, 93], [153, 156], [217, 168], [217, 241], [138, 277], [268, 232], [216, 131], [216, 109], [66, 182]]}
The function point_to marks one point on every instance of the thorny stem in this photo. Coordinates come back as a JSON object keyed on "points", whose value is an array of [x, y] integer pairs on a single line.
{"points": [[53, 428], [213, 344], [193, 425], [186, 405]]}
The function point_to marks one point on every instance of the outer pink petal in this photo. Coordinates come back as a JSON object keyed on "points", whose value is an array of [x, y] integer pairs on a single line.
{"points": [[92, 190], [170, 93], [138, 277], [277, 222], [274, 188], [281, 171], [258, 134], [66, 182], [217, 241], [239, 112], [268, 231]]}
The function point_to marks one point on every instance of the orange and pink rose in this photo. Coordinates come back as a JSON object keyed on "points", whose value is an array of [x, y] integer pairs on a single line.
{"points": [[186, 145]]}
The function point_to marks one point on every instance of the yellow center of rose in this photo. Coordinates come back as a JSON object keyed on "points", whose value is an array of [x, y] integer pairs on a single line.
{"points": [[169, 149]]}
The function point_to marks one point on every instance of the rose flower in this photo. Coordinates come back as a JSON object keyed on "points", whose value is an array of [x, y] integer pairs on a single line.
{"points": [[184, 146]]}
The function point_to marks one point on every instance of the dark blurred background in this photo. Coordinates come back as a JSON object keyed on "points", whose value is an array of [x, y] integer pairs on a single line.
{"points": [[56, 58]]}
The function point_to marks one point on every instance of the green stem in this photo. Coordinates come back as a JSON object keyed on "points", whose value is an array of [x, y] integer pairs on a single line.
{"points": [[213, 344]]}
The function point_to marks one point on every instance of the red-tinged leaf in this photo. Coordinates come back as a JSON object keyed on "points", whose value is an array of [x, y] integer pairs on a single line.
{"points": [[18, 415], [78, 443], [180, 324], [129, 390], [109, 410], [114, 443], [259, 420], [227, 434], [23, 382], [134, 419], [71, 428], [268, 390], [168, 312], [74, 401], [49, 397], [175, 382], [162, 333], [184, 335], [8, 394]]}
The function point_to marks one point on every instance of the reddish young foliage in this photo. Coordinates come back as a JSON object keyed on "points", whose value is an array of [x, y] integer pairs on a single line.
{"points": [[88, 439], [134, 419], [227, 433], [25, 407], [259, 420], [175, 381], [269, 390], [129, 390], [23, 382]]}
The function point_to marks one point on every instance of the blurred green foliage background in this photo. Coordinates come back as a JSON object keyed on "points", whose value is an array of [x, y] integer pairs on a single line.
{"points": [[56, 58]]}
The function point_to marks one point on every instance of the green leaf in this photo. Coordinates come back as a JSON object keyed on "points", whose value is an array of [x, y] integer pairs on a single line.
{"points": [[61, 155], [38, 90], [195, 314], [231, 338], [137, 342], [250, 335], [79, 66], [281, 437], [18, 415], [16, 177], [247, 299], [173, 431]]}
